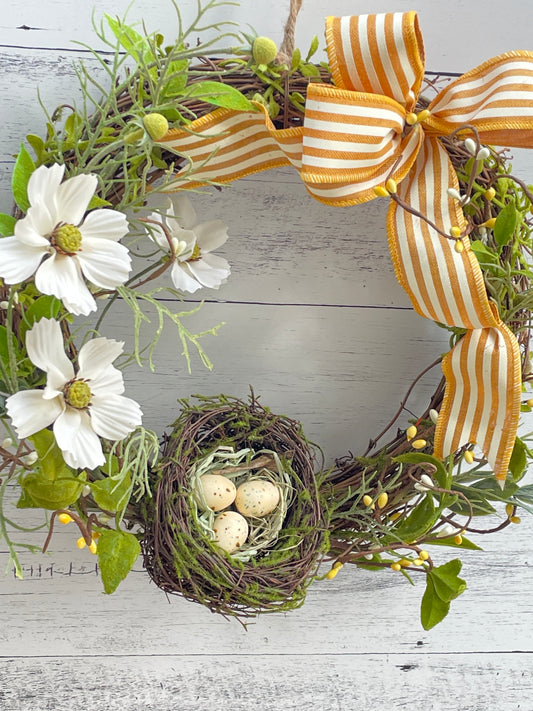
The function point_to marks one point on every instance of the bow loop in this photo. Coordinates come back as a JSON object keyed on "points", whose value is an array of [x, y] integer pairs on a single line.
{"points": [[378, 54], [496, 98]]}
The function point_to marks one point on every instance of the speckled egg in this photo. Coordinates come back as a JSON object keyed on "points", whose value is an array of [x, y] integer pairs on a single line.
{"points": [[231, 530], [257, 497], [219, 491]]}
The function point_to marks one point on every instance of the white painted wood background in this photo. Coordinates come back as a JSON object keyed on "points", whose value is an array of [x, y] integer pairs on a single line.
{"points": [[316, 322]]}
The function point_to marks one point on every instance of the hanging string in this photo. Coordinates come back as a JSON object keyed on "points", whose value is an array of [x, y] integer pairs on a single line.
{"points": [[287, 46]]}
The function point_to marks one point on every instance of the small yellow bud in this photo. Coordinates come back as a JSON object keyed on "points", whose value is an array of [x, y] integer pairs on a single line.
{"points": [[92, 547], [64, 518], [81, 543], [417, 561], [419, 444], [395, 516], [515, 519], [383, 499], [380, 191], [367, 501], [469, 456], [489, 194], [96, 535], [489, 223], [411, 432], [423, 555], [411, 119], [334, 570], [509, 510], [405, 562], [458, 539], [423, 115], [391, 186], [459, 247], [530, 402], [156, 126], [396, 566], [455, 232], [264, 50]]}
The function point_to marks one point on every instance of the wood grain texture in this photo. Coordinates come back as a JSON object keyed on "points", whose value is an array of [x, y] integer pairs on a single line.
{"points": [[317, 324]]}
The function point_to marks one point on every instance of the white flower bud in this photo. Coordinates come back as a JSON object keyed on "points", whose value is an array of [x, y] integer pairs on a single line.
{"points": [[433, 416], [426, 483], [447, 530], [30, 459], [4, 304], [471, 146], [483, 153], [7, 442], [86, 490], [454, 194]]}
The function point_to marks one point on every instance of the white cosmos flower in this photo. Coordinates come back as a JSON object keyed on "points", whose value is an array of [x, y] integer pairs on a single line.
{"points": [[192, 244], [82, 405], [54, 242]]}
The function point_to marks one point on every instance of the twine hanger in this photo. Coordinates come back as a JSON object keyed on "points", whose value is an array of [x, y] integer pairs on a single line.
{"points": [[286, 49]]}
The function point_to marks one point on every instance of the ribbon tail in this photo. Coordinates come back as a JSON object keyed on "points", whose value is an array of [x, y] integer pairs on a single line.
{"points": [[482, 396]]}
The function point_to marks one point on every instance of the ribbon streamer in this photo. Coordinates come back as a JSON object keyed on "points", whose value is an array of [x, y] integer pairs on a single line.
{"points": [[363, 131]]}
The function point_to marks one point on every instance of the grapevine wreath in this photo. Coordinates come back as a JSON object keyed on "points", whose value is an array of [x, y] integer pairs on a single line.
{"points": [[232, 507]]}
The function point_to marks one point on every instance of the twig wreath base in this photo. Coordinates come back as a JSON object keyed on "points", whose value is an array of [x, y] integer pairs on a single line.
{"points": [[132, 493]]}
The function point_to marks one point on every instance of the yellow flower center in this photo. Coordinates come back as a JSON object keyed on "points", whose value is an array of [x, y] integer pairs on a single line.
{"points": [[196, 254], [68, 239], [78, 394]]}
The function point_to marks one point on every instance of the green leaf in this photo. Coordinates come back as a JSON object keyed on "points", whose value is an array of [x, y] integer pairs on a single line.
{"points": [[448, 584], [433, 610], [43, 307], [479, 503], [98, 202], [24, 167], [220, 94], [491, 489], [111, 494], [50, 463], [505, 225], [135, 44], [484, 254], [4, 353], [7, 224], [296, 59], [313, 48], [37, 143], [117, 553], [177, 79], [52, 495], [449, 542], [419, 521], [525, 493], [309, 70], [441, 475], [518, 462]]}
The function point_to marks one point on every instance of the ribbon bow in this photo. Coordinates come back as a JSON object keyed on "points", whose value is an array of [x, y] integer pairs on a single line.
{"points": [[363, 131]]}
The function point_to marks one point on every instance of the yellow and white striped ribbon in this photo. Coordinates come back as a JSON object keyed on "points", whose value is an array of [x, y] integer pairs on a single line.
{"points": [[359, 133]]}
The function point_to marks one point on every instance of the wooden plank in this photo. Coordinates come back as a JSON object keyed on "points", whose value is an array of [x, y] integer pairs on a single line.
{"points": [[329, 682]]}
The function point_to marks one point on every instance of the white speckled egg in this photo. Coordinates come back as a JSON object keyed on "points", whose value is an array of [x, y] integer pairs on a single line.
{"points": [[257, 497], [219, 491], [231, 530]]}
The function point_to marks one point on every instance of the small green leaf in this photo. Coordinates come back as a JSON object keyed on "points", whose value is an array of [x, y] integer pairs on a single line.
{"points": [[518, 462], [111, 494], [313, 48], [37, 143], [7, 225], [505, 225], [309, 70], [478, 502], [43, 307], [4, 353], [433, 610], [117, 553], [419, 521], [52, 495], [450, 542], [525, 493], [24, 167], [448, 584], [296, 59], [98, 202], [50, 463], [220, 94], [484, 254]]}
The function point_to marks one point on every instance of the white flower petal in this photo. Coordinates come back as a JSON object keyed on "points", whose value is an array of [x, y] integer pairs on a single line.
{"points": [[31, 230], [104, 224], [182, 280], [73, 197], [96, 355], [155, 232], [18, 261], [104, 262], [30, 413], [61, 276], [44, 343], [43, 184], [211, 271], [114, 416], [211, 235], [109, 382], [182, 211], [77, 440]]}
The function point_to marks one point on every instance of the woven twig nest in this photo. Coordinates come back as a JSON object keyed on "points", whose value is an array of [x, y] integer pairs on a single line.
{"points": [[178, 553]]}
